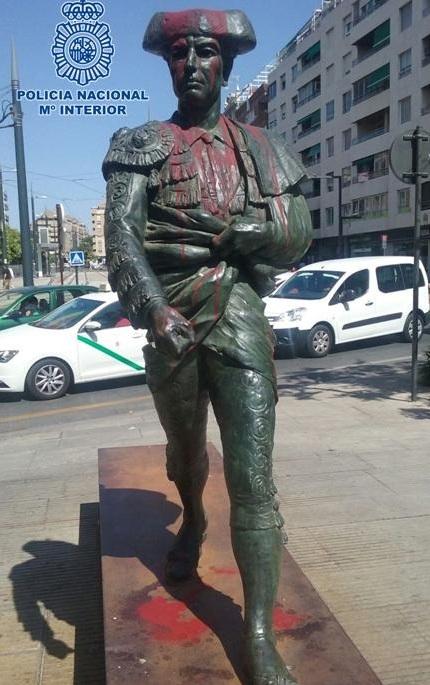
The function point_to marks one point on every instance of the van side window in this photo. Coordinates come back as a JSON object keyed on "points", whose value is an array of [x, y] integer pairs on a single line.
{"points": [[390, 279], [408, 276], [358, 282]]}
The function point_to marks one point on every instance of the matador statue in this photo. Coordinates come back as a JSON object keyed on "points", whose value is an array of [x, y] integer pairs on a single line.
{"points": [[201, 211]]}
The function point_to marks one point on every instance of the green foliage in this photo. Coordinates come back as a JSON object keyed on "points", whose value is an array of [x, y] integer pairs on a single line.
{"points": [[14, 255], [86, 245]]}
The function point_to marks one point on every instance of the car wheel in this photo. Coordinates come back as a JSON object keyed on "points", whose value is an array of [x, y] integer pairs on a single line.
{"points": [[408, 327], [319, 341], [48, 379]]}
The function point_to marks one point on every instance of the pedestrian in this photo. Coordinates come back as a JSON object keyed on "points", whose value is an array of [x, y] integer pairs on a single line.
{"points": [[7, 276]]}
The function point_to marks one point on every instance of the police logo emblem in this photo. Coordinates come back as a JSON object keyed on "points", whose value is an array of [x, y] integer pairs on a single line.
{"points": [[82, 47]]}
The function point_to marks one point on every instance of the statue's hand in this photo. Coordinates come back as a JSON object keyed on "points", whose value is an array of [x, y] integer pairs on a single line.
{"points": [[244, 236], [173, 334]]}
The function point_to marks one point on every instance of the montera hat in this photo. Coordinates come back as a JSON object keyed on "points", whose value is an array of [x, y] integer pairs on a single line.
{"points": [[231, 28]]}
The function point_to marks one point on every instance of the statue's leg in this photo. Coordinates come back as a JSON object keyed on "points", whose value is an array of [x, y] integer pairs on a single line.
{"points": [[244, 405], [182, 404]]}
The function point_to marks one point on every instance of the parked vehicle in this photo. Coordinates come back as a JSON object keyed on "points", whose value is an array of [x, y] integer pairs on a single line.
{"points": [[24, 305], [342, 300], [87, 339]]}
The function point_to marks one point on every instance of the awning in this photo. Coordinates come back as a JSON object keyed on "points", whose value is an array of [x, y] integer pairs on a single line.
{"points": [[381, 34], [311, 53], [313, 119]]}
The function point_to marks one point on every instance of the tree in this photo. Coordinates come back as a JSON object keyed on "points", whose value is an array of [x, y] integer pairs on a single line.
{"points": [[87, 246], [14, 254]]}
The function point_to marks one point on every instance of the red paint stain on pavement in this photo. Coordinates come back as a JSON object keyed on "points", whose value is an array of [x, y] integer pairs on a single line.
{"points": [[170, 621], [224, 570], [287, 620]]}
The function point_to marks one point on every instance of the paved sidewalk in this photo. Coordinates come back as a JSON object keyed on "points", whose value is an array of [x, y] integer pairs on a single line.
{"points": [[353, 472]]}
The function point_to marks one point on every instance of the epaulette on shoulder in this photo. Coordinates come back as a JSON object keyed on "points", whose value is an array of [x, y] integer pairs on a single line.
{"points": [[140, 148]]}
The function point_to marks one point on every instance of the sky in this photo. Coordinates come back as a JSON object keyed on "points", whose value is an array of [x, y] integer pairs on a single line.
{"points": [[64, 154]]}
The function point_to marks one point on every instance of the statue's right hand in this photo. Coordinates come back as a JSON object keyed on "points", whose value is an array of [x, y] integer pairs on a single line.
{"points": [[173, 334]]}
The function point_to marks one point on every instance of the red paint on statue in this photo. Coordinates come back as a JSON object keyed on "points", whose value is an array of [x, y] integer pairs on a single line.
{"points": [[191, 22], [224, 570], [170, 621], [287, 620]]}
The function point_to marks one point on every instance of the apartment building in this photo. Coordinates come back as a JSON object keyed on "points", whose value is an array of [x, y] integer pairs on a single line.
{"points": [[74, 231], [355, 77], [97, 224]]}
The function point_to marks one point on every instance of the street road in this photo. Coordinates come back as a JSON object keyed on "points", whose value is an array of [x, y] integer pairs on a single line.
{"points": [[96, 400]]}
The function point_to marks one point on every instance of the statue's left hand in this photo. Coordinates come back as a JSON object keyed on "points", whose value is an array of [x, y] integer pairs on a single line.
{"points": [[243, 236], [173, 334]]}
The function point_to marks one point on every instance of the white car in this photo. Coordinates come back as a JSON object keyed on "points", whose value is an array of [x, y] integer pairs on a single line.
{"points": [[86, 339], [344, 300]]}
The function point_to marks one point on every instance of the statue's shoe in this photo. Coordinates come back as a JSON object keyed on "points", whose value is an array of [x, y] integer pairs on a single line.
{"points": [[183, 558], [263, 664]]}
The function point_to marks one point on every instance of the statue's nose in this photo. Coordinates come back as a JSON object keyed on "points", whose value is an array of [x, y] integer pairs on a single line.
{"points": [[191, 59]]}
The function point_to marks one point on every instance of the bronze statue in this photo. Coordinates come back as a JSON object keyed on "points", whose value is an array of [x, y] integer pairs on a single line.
{"points": [[200, 212]]}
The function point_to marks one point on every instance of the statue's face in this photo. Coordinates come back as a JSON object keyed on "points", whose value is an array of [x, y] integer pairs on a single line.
{"points": [[196, 67]]}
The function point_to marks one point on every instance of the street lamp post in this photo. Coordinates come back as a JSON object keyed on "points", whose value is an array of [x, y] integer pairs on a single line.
{"points": [[60, 232], [2, 221], [37, 254], [24, 219]]}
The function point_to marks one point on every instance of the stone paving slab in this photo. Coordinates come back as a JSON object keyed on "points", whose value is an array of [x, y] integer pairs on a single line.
{"points": [[352, 469]]}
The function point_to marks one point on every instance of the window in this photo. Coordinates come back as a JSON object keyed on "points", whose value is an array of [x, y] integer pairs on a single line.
{"points": [[405, 16], [330, 146], [294, 103], [111, 316], [294, 71], [283, 82], [272, 119], [346, 136], [329, 110], [347, 63], [408, 276], [283, 110], [346, 101], [405, 110], [329, 216], [347, 24], [316, 218], [271, 90], [358, 282], [346, 176], [396, 277], [404, 200], [295, 131], [405, 63], [329, 72], [330, 182]]}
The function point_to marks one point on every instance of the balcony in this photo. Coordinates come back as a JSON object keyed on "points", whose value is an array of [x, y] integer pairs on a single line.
{"points": [[309, 124], [311, 155], [310, 97], [370, 134], [364, 176], [371, 91], [366, 10], [372, 42], [308, 131]]}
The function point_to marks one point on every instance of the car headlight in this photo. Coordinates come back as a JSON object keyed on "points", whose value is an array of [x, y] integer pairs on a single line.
{"points": [[293, 314], [7, 355]]}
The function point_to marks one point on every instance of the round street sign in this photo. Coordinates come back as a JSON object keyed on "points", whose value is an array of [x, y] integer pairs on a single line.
{"points": [[401, 156]]}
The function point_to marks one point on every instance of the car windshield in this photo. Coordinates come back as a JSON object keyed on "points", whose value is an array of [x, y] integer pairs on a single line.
{"points": [[68, 314], [7, 300], [308, 285]]}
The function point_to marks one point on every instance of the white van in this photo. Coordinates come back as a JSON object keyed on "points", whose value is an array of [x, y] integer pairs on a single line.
{"points": [[342, 300]]}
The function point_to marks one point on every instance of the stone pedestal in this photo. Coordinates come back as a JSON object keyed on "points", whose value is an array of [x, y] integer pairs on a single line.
{"points": [[191, 633]]}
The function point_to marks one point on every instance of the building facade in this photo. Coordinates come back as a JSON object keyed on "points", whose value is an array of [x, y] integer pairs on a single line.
{"points": [[353, 79], [74, 231], [97, 224]]}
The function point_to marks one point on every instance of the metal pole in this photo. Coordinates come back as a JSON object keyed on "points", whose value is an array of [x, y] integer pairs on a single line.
{"points": [[24, 219], [60, 230], [37, 256], [415, 142], [340, 238], [2, 221]]}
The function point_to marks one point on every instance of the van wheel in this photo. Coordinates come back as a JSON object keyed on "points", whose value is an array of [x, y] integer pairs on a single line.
{"points": [[48, 379], [319, 342], [408, 327]]}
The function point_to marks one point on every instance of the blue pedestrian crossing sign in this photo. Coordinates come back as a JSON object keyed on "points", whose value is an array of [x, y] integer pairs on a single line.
{"points": [[76, 258]]}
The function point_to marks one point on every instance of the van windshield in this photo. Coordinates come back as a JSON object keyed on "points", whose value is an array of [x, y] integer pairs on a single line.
{"points": [[309, 285]]}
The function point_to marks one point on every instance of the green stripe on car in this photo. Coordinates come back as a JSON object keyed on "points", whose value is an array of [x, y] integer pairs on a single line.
{"points": [[111, 353]]}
